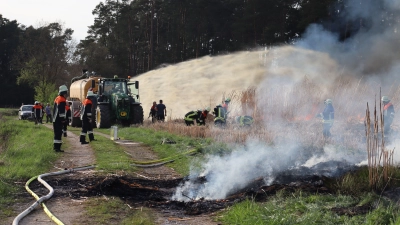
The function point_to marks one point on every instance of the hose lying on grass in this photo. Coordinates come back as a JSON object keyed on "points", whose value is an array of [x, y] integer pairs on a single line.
{"points": [[46, 197], [159, 162]]}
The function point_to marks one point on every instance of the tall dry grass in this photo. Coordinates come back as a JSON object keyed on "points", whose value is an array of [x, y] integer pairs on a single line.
{"points": [[287, 114], [380, 159]]}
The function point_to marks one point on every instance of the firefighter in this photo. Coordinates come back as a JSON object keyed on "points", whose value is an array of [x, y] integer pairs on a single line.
{"points": [[220, 115], [225, 107], [202, 117], [191, 116], [86, 117], [68, 113], [244, 120], [388, 115], [153, 112], [37, 110], [59, 116], [328, 116]]}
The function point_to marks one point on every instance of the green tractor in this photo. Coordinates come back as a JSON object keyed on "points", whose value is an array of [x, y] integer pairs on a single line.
{"points": [[118, 101]]}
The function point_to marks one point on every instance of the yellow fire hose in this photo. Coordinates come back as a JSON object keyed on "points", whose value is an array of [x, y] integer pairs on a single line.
{"points": [[162, 161], [39, 201]]}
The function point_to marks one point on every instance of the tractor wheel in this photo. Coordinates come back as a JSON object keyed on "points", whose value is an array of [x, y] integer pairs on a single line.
{"points": [[136, 114], [103, 116], [76, 122]]}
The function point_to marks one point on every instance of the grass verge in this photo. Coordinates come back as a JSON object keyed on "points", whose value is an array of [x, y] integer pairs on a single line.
{"points": [[26, 150]]}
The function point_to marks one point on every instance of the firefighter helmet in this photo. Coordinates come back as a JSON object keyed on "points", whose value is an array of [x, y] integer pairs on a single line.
{"points": [[90, 93], [62, 88], [385, 99], [228, 100], [328, 101], [36, 102], [207, 109]]}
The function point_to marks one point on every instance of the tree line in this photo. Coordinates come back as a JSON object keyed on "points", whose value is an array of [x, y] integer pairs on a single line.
{"points": [[130, 37]]}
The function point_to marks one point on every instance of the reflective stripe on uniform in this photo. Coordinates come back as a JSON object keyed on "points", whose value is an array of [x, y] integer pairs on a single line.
{"points": [[90, 132], [83, 134], [57, 141], [88, 114]]}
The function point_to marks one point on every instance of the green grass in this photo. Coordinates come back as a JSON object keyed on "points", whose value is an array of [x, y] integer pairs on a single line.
{"points": [[112, 210], [110, 156], [302, 208], [153, 139], [26, 150]]}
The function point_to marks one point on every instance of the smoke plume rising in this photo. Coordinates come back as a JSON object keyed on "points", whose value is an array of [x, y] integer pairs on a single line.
{"points": [[290, 82]]}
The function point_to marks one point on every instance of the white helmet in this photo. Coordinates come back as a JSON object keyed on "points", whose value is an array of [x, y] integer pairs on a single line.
{"points": [[385, 99], [90, 93], [328, 101], [62, 88], [36, 102], [207, 109]]}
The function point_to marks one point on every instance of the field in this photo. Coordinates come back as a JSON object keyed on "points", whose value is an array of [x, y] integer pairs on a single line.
{"points": [[278, 171]]}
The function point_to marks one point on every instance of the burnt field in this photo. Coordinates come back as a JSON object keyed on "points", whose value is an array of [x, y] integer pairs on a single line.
{"points": [[157, 194]]}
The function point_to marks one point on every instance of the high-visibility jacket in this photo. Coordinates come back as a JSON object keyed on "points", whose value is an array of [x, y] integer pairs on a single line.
{"points": [[192, 115], [388, 113], [37, 110], [59, 108], [86, 111]]}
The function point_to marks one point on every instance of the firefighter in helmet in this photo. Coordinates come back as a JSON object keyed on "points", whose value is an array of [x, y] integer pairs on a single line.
{"points": [[202, 117], [59, 116], [86, 117], [191, 116], [328, 116], [388, 115]]}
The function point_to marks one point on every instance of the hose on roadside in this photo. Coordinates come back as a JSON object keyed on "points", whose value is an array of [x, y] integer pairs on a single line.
{"points": [[39, 201], [164, 160]]}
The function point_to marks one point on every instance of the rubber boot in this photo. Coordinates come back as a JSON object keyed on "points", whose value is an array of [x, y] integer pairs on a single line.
{"points": [[91, 137], [65, 133], [82, 140], [57, 147]]}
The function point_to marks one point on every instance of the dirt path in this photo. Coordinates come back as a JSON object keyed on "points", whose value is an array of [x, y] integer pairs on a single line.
{"points": [[66, 209], [71, 211]]}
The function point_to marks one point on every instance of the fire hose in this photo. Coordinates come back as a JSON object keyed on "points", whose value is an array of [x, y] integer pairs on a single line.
{"points": [[159, 162], [46, 197]]}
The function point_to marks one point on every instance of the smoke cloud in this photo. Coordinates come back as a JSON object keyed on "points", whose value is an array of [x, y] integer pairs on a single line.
{"points": [[291, 82]]}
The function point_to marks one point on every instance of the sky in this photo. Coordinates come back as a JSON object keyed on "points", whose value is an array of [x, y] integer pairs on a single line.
{"points": [[74, 14]]}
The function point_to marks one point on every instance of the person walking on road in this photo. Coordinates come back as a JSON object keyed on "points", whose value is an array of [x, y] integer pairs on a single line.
{"points": [[59, 117], [161, 111], [86, 117]]}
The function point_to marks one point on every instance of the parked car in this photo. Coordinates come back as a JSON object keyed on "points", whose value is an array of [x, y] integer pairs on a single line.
{"points": [[25, 112]]}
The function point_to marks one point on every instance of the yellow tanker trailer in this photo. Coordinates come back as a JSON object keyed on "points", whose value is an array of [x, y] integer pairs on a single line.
{"points": [[77, 93], [116, 100]]}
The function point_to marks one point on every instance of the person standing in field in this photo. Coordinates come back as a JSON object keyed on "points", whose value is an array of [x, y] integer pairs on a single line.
{"points": [[59, 117], [37, 112], [153, 112], [388, 115], [161, 111], [328, 116], [48, 113]]}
